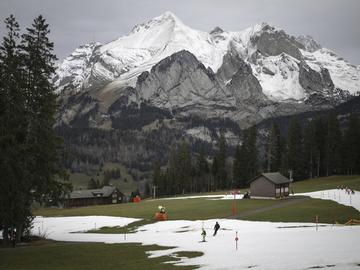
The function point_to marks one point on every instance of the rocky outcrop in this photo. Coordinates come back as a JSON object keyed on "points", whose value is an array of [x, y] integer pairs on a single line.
{"points": [[273, 42], [179, 81], [320, 87], [309, 43], [230, 65], [313, 81], [245, 87]]}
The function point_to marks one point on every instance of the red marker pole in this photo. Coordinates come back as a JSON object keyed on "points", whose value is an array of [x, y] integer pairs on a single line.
{"points": [[234, 206], [236, 240], [317, 221]]}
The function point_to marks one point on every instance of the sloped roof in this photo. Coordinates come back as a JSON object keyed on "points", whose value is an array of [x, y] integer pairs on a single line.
{"points": [[274, 177], [106, 191]]}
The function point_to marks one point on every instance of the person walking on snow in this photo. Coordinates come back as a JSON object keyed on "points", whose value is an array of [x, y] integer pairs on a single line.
{"points": [[203, 233], [216, 227]]}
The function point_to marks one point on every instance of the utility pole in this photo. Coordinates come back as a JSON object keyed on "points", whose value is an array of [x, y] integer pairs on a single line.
{"points": [[154, 192]]}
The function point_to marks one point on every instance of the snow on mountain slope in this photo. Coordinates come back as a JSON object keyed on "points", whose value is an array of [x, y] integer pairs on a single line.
{"points": [[279, 77], [146, 45], [273, 55], [343, 74], [74, 69]]}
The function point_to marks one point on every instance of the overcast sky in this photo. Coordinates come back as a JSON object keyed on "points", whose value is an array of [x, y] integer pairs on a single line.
{"points": [[335, 24]]}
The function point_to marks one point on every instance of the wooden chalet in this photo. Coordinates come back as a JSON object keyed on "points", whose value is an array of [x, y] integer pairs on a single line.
{"points": [[105, 195], [270, 185]]}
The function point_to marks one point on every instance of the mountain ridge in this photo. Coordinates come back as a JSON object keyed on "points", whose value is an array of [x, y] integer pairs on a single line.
{"points": [[253, 74]]}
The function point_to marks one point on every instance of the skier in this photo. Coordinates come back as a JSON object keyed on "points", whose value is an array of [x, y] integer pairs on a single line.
{"points": [[203, 233], [216, 228]]}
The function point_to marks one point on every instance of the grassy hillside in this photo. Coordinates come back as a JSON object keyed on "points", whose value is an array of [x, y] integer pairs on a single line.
{"points": [[125, 183], [296, 209], [331, 182], [91, 256]]}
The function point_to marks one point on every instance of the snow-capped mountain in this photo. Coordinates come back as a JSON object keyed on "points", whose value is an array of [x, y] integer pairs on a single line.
{"points": [[245, 76]]}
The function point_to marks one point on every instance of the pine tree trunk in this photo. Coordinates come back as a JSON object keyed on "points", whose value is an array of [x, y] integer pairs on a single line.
{"points": [[19, 232], [5, 234]]}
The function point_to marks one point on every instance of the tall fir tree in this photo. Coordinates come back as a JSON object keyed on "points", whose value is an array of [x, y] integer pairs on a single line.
{"points": [[295, 149], [320, 138], [252, 152], [237, 166], [333, 145], [14, 192], [310, 149], [43, 145], [274, 149], [246, 159], [351, 151], [30, 150], [202, 172], [221, 176], [184, 168]]}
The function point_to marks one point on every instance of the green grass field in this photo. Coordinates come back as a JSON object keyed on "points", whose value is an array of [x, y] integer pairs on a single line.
{"points": [[87, 256], [202, 208], [331, 182], [79, 256]]}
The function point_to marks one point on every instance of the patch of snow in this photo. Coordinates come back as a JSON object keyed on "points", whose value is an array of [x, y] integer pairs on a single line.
{"points": [[201, 133], [344, 75], [338, 195], [261, 245], [281, 81]]}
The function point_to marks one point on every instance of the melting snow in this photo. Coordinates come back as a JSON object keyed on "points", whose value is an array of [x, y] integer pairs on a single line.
{"points": [[261, 245]]}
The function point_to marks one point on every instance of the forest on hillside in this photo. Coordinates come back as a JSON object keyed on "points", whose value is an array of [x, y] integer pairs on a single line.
{"points": [[318, 148]]}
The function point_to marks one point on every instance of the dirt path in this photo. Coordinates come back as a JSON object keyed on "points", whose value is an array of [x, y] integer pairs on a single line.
{"points": [[280, 204]]}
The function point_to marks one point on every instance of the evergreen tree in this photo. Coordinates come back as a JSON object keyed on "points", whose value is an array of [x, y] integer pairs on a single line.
{"points": [[295, 149], [252, 153], [274, 149], [246, 159], [237, 166], [333, 145], [29, 149], [214, 173], [351, 153], [14, 192], [184, 168], [173, 185], [320, 139], [310, 149], [43, 145], [202, 172], [221, 176]]}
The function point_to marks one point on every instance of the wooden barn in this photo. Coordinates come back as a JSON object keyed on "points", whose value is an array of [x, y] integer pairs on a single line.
{"points": [[273, 185], [105, 195]]}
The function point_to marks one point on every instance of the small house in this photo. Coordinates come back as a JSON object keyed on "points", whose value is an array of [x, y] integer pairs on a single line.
{"points": [[104, 195], [273, 185]]}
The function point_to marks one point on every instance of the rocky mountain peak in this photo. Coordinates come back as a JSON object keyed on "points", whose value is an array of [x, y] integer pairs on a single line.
{"points": [[166, 18], [172, 66], [183, 58], [217, 30], [308, 42]]}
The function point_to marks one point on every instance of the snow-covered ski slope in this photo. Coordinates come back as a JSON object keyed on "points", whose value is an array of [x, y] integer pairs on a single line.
{"points": [[261, 245]]}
